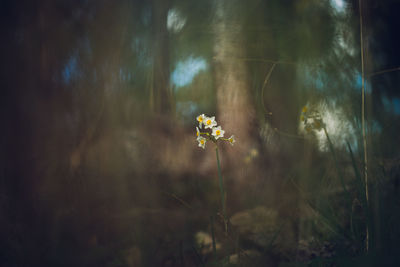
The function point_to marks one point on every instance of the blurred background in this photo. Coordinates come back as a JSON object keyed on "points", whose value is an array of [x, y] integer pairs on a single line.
{"points": [[99, 160]]}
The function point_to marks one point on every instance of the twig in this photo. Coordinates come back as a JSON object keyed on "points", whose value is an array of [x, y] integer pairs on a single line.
{"points": [[179, 199], [265, 85], [262, 98], [383, 71], [289, 135], [263, 60]]}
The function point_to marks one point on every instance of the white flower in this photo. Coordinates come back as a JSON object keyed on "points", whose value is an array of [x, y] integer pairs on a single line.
{"points": [[209, 122], [232, 140], [202, 142], [201, 119], [217, 132]]}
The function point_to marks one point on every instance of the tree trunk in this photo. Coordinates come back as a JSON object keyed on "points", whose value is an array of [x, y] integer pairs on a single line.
{"points": [[236, 114], [160, 94]]}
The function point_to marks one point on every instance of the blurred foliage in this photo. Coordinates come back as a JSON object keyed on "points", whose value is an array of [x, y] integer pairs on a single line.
{"points": [[99, 165]]}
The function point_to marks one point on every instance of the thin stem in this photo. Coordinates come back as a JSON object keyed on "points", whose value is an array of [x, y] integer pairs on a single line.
{"points": [[221, 187], [213, 236], [225, 139], [336, 163], [363, 119]]}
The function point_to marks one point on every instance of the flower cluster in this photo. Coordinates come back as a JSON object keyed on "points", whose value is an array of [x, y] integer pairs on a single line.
{"points": [[213, 133], [312, 119]]}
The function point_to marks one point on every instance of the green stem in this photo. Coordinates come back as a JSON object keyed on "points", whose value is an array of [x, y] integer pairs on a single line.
{"points": [[213, 236], [221, 187], [339, 170]]}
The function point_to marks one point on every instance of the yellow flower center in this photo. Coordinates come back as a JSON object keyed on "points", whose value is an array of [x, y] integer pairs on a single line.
{"points": [[200, 119], [304, 110], [202, 141], [217, 132], [302, 118], [208, 122], [197, 134]]}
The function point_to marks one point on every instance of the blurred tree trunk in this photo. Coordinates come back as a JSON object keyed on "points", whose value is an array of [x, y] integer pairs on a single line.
{"points": [[236, 113], [160, 93]]}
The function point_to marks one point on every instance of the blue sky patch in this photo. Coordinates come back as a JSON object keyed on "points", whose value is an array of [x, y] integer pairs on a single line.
{"points": [[391, 105], [396, 105], [359, 83], [70, 70], [186, 70]]}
